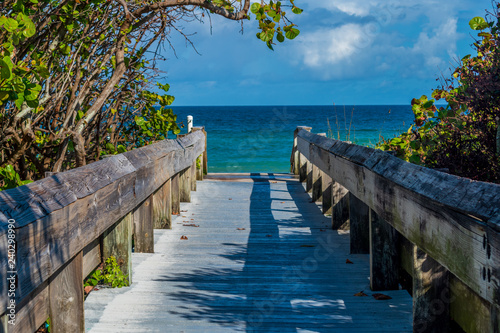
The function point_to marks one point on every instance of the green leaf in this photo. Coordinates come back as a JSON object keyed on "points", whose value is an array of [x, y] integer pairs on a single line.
{"points": [[280, 37], [292, 33], [297, 10], [478, 23], [255, 8], [5, 70]]}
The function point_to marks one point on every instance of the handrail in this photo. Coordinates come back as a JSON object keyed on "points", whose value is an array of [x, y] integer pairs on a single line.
{"points": [[454, 220], [57, 218]]}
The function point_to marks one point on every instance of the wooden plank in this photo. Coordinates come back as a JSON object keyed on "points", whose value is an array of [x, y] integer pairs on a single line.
{"points": [[66, 298], [175, 194], [185, 185], [226, 280], [431, 294], [143, 227], [384, 257], [327, 197], [422, 204], [193, 176], [92, 257], [317, 184], [340, 207], [359, 222], [162, 211], [32, 312], [117, 242]]}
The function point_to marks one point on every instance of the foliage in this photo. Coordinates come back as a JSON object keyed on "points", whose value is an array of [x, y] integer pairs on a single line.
{"points": [[464, 136], [10, 178], [111, 275], [77, 77]]}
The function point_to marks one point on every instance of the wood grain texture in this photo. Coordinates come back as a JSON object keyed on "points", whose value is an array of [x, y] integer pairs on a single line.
{"points": [[66, 298], [185, 185], [143, 227], [317, 184], [162, 207], [454, 220], [58, 216], [92, 257], [340, 207], [175, 194], [193, 176]]}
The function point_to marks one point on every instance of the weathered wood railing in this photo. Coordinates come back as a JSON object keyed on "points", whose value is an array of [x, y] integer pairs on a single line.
{"points": [[442, 230], [63, 226]]}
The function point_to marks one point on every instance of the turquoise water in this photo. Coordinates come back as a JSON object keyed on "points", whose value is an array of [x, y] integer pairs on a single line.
{"points": [[260, 138]]}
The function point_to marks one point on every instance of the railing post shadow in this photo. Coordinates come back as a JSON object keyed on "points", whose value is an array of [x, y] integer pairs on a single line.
{"points": [[431, 294], [326, 196], [384, 255], [340, 207], [359, 220]]}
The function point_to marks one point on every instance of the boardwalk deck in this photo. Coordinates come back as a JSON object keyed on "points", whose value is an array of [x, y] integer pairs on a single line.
{"points": [[285, 272]]}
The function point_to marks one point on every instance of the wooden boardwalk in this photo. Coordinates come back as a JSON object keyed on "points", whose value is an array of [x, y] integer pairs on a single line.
{"points": [[263, 259]]}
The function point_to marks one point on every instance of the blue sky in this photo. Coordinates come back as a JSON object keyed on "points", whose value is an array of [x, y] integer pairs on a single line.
{"points": [[349, 52]]}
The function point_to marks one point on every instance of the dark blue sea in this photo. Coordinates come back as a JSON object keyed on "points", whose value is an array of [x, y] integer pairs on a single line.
{"points": [[260, 138]]}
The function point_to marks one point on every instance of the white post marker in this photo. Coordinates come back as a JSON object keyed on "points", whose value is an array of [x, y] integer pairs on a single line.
{"points": [[190, 123]]}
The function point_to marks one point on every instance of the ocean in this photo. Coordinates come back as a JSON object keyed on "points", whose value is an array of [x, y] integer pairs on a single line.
{"points": [[260, 138]]}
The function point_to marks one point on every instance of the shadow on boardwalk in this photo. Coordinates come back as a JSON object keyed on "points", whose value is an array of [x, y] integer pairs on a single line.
{"points": [[290, 275]]}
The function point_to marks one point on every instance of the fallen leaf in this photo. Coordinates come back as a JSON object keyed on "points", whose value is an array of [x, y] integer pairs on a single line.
{"points": [[269, 235], [176, 214], [380, 297], [230, 199], [322, 230], [347, 261], [274, 182], [88, 289], [361, 293], [184, 237], [240, 228], [183, 211], [282, 202], [306, 245], [191, 225], [192, 219]]}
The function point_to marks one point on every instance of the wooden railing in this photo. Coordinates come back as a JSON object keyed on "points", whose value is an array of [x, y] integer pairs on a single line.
{"points": [[62, 227], [439, 231]]}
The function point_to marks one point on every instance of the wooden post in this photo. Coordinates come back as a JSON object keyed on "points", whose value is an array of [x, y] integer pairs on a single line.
{"points": [[384, 257], [302, 168], [175, 194], [317, 190], [204, 163], [326, 186], [117, 242], [309, 176], [359, 222], [295, 158], [431, 294], [340, 207], [162, 207], [193, 176], [199, 168], [66, 297], [185, 185], [189, 123], [143, 227]]}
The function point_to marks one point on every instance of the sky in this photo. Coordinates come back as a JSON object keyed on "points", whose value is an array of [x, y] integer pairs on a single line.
{"points": [[349, 52]]}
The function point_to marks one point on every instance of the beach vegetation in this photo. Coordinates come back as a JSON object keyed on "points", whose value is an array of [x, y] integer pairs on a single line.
{"points": [[463, 136], [79, 78]]}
